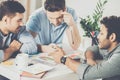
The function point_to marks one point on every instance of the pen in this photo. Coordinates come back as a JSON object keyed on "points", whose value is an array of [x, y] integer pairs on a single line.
{"points": [[44, 74]]}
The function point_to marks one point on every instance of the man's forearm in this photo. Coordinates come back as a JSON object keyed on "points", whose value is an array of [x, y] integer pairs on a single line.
{"points": [[72, 64], [46, 48], [41, 48], [74, 38], [8, 52]]}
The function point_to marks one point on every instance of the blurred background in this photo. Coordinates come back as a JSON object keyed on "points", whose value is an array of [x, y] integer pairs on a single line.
{"points": [[82, 7]]}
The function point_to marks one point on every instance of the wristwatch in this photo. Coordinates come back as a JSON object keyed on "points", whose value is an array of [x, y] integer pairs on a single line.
{"points": [[63, 59]]}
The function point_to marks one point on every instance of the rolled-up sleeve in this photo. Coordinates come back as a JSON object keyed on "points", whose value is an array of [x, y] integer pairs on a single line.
{"points": [[1, 55], [29, 46]]}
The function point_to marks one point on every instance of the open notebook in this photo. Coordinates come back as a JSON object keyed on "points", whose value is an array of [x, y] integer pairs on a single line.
{"points": [[36, 71], [38, 68]]}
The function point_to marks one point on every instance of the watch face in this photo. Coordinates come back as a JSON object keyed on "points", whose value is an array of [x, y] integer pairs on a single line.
{"points": [[63, 59]]}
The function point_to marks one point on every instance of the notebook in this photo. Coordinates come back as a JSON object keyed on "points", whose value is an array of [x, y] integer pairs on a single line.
{"points": [[38, 68]]}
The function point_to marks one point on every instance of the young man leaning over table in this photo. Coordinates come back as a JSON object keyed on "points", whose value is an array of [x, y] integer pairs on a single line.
{"points": [[108, 50], [49, 24], [13, 35]]}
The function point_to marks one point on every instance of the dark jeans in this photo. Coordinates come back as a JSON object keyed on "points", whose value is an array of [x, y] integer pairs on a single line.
{"points": [[3, 78]]}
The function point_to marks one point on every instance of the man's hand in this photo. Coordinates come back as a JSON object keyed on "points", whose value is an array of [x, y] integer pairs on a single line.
{"points": [[48, 48], [91, 62], [72, 30], [15, 44], [68, 18], [57, 54]]}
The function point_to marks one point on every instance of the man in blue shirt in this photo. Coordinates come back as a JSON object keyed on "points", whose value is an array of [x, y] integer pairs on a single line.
{"points": [[48, 24]]}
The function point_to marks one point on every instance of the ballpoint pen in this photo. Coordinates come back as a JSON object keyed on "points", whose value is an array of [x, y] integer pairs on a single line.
{"points": [[44, 74]]}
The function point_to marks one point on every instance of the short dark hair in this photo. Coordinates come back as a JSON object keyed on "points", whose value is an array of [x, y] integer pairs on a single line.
{"points": [[10, 7], [54, 5], [112, 24]]}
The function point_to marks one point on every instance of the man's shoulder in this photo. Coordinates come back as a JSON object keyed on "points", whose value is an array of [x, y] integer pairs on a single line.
{"points": [[41, 9], [70, 10], [22, 29], [39, 12], [0, 33], [118, 48]]}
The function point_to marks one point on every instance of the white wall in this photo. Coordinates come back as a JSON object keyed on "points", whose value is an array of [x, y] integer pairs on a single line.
{"points": [[112, 8], [30, 6], [86, 7], [35, 4], [82, 7]]}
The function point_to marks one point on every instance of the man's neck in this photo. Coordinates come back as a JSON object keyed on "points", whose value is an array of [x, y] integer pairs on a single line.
{"points": [[113, 45], [3, 30]]}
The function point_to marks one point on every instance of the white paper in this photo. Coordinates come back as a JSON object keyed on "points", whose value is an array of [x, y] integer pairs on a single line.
{"points": [[38, 68]]}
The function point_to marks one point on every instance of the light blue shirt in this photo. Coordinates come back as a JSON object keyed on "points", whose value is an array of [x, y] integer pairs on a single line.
{"points": [[46, 32], [28, 43]]}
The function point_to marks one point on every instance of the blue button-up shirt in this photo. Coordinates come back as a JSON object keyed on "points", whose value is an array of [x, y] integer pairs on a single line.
{"points": [[29, 45], [46, 32]]}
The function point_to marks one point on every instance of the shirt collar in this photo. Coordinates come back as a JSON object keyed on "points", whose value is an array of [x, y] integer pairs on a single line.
{"points": [[2, 34], [118, 45], [60, 24], [63, 24]]}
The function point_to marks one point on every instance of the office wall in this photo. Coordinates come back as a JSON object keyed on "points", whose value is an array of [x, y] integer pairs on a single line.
{"points": [[86, 7], [30, 6], [112, 8], [83, 7]]}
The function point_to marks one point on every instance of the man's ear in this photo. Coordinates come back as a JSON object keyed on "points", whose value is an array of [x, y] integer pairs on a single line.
{"points": [[65, 9], [4, 19], [112, 37]]}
